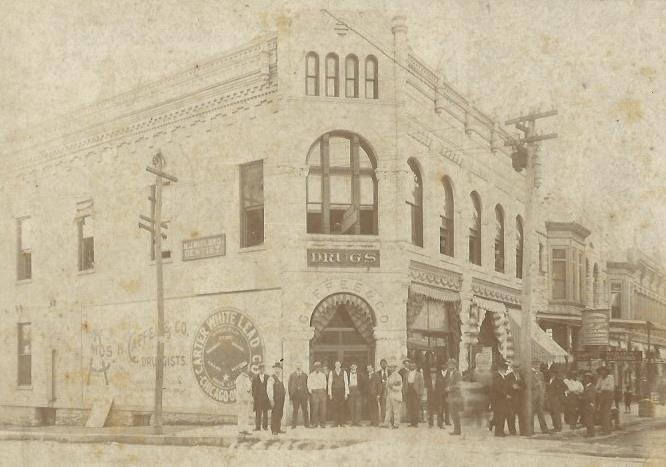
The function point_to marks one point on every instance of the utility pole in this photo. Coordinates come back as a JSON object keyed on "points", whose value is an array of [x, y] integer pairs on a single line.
{"points": [[525, 156], [155, 226]]}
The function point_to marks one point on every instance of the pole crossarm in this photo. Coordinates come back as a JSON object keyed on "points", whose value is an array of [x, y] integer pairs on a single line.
{"points": [[531, 117], [152, 222], [161, 174]]}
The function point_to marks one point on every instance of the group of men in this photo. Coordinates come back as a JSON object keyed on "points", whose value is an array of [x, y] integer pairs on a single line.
{"points": [[581, 399], [337, 392]]}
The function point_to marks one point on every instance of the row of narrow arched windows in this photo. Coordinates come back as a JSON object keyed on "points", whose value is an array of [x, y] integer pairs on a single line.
{"points": [[446, 233], [341, 198], [332, 81]]}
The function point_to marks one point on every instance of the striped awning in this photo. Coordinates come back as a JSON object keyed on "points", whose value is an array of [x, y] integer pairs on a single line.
{"points": [[434, 293], [501, 327], [544, 349], [359, 312]]}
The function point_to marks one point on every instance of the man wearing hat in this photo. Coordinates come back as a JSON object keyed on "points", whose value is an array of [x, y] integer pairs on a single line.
{"points": [[501, 397], [413, 389], [276, 395], [393, 396], [452, 379], [338, 392], [605, 387], [587, 399], [317, 388], [243, 399], [260, 398], [298, 394]]}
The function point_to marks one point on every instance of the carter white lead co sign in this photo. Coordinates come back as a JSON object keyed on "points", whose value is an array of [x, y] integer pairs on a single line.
{"points": [[204, 247], [343, 258]]}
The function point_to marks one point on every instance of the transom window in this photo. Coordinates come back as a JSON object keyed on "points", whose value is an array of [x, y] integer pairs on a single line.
{"points": [[341, 186]]}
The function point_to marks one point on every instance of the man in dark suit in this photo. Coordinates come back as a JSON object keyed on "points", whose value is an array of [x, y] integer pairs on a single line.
{"points": [[260, 399], [373, 390], [412, 382], [276, 393], [555, 391], [383, 378], [518, 389], [436, 401], [298, 393], [501, 397], [452, 379]]}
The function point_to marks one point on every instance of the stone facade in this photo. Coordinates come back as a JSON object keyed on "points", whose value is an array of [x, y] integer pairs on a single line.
{"points": [[91, 335]]}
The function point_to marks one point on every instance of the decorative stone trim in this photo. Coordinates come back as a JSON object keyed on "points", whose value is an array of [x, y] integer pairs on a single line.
{"points": [[431, 275], [496, 292]]}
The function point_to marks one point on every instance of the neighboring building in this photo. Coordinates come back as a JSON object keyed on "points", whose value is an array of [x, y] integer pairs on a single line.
{"points": [[330, 204]]}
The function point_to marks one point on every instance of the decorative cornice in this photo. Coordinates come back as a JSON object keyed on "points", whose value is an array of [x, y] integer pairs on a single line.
{"points": [[424, 136], [496, 292], [573, 227], [431, 275], [236, 82]]}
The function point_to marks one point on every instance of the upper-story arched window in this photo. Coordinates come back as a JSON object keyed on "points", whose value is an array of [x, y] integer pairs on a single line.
{"points": [[312, 74], [332, 75], [519, 247], [415, 201], [351, 76], [475, 230], [341, 186], [371, 78], [499, 238], [446, 235]]}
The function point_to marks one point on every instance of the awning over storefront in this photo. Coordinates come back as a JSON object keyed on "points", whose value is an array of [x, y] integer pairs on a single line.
{"points": [[434, 293], [561, 318], [501, 328], [544, 349]]}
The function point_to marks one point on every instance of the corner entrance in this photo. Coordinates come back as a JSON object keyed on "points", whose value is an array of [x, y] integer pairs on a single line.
{"points": [[343, 330]]}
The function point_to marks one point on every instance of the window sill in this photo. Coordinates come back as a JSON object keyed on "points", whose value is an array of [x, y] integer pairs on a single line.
{"points": [[341, 238], [23, 281], [24, 387], [86, 272], [252, 249]]}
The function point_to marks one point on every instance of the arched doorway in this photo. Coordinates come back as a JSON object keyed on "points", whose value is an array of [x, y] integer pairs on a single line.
{"points": [[343, 330]]}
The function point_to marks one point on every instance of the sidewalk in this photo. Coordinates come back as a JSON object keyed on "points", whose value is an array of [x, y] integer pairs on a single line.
{"points": [[300, 438]]}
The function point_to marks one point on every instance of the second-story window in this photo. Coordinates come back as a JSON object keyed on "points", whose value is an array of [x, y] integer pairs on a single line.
{"points": [[86, 243], [24, 249], [616, 300], [499, 239], [252, 203], [559, 273], [341, 186], [446, 234], [332, 75], [371, 78], [519, 248], [415, 202], [312, 74], [351, 76], [475, 230]]}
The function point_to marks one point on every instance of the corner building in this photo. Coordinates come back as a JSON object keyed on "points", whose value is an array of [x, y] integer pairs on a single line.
{"points": [[336, 199]]}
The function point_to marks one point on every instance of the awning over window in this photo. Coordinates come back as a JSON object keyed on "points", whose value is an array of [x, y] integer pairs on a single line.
{"points": [[544, 349], [501, 328], [359, 311], [434, 293]]}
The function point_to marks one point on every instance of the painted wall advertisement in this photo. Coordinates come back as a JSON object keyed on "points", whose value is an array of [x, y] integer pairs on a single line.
{"points": [[202, 357]]}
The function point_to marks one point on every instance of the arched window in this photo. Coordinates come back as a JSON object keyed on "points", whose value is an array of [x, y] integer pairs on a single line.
{"points": [[371, 78], [351, 76], [475, 230], [341, 186], [446, 235], [332, 75], [415, 202], [312, 74], [499, 238], [519, 247]]}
